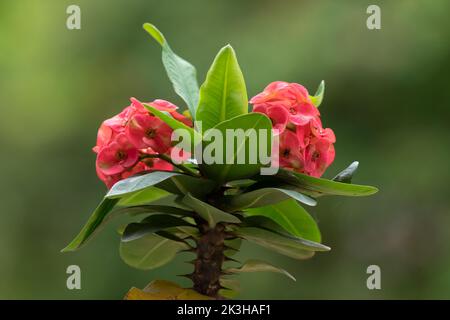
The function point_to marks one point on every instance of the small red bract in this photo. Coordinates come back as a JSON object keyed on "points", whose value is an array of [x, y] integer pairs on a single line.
{"points": [[305, 146], [127, 141]]}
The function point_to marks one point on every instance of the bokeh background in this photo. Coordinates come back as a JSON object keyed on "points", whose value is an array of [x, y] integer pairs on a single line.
{"points": [[386, 98]]}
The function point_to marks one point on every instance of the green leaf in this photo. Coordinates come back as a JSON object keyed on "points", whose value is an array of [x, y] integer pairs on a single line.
{"points": [[243, 183], [230, 287], [208, 212], [266, 196], [293, 247], [150, 251], [223, 94], [102, 213], [151, 224], [154, 208], [173, 182], [138, 183], [247, 147], [92, 224], [171, 236], [258, 266], [266, 223], [143, 197], [183, 232], [233, 246], [172, 200], [346, 175], [292, 217], [318, 96], [316, 187], [195, 137], [180, 72]]}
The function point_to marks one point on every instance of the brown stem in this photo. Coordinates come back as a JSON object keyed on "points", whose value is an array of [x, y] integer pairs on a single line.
{"points": [[210, 257]]}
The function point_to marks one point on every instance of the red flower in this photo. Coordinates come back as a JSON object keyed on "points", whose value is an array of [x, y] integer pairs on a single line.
{"points": [[290, 151], [291, 96], [278, 115], [305, 146], [117, 156], [131, 135], [145, 131], [318, 157]]}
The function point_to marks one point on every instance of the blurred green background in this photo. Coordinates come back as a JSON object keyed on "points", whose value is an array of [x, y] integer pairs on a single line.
{"points": [[386, 98]]}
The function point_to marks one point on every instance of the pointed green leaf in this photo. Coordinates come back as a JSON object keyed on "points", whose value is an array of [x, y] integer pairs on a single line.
{"points": [[259, 266], [173, 182], [173, 200], [293, 247], [102, 213], [151, 224], [292, 217], [237, 165], [180, 72], [266, 196], [92, 224], [143, 197], [138, 183], [150, 251], [154, 208], [318, 96], [208, 212], [223, 95], [266, 223], [346, 175], [316, 187]]}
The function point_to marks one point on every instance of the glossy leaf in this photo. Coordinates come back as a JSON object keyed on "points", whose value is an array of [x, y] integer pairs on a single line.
{"points": [[143, 197], [317, 98], [266, 223], [138, 183], [266, 196], [346, 175], [173, 200], [180, 72], [320, 187], [292, 217], [293, 247], [223, 95], [246, 148], [259, 266], [208, 212], [174, 182], [150, 252], [92, 224], [151, 224]]}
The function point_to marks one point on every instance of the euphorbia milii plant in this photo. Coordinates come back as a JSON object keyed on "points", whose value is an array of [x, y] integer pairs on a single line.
{"points": [[179, 200]]}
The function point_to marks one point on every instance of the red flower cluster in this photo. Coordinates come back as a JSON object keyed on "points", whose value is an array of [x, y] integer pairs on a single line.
{"points": [[305, 146], [125, 141]]}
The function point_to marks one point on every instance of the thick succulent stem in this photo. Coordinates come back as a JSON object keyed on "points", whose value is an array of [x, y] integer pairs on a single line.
{"points": [[209, 260]]}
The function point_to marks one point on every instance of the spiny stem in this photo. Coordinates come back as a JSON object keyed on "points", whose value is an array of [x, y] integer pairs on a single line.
{"points": [[209, 260]]}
